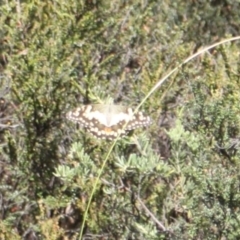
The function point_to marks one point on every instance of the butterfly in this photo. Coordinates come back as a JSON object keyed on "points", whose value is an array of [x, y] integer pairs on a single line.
{"points": [[108, 121]]}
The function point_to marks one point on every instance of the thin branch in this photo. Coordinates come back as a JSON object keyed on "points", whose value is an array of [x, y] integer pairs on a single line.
{"points": [[160, 225]]}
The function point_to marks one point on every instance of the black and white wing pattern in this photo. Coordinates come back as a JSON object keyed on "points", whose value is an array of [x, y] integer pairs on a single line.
{"points": [[107, 121]]}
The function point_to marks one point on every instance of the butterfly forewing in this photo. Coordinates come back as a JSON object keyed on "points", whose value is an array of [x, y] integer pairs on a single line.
{"points": [[108, 121]]}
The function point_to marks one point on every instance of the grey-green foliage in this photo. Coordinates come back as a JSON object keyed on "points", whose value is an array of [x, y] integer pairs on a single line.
{"points": [[180, 135], [83, 165], [145, 161], [123, 48], [142, 165], [207, 180]]}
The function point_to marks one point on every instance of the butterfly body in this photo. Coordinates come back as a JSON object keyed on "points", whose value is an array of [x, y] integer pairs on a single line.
{"points": [[108, 121]]}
